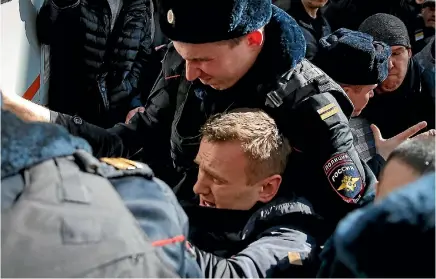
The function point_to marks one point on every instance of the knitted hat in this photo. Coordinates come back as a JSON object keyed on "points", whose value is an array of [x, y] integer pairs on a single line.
{"points": [[354, 58], [429, 3], [204, 21], [386, 28]]}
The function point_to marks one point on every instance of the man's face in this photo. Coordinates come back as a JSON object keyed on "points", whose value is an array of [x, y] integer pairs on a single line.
{"points": [[315, 4], [219, 65], [359, 96], [222, 180], [428, 16], [395, 175], [398, 64]]}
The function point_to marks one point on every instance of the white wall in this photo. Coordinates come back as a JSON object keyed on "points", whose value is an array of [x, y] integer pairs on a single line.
{"points": [[20, 57]]}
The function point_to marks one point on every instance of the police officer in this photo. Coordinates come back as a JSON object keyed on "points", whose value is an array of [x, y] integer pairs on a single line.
{"points": [[227, 55], [68, 214], [361, 63]]}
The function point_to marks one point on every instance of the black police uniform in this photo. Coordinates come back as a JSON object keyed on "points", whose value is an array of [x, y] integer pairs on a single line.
{"points": [[311, 110]]}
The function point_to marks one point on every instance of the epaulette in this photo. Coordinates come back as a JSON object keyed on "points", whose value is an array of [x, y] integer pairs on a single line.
{"points": [[118, 167], [122, 163]]}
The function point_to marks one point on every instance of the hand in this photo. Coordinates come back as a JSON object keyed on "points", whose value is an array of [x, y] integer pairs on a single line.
{"points": [[133, 112], [426, 135], [386, 146]]}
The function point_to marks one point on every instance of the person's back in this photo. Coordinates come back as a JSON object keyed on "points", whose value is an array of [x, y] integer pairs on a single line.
{"points": [[393, 238], [68, 214]]}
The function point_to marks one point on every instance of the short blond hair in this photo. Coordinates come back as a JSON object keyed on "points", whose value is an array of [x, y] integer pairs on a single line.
{"points": [[265, 148]]}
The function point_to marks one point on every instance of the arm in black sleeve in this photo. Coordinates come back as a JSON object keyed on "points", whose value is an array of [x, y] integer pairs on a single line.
{"points": [[278, 250], [332, 165], [54, 14], [148, 129]]}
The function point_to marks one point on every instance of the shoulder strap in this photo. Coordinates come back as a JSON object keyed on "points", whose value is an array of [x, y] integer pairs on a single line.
{"points": [[112, 167], [303, 76]]}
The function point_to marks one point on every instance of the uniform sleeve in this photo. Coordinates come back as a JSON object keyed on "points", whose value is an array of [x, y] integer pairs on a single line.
{"points": [[149, 130], [338, 178], [279, 252]]}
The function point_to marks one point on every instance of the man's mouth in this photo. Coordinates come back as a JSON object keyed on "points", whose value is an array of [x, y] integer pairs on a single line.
{"points": [[207, 204]]}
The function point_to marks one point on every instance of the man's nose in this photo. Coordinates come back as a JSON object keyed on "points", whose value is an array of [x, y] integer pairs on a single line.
{"points": [[192, 72], [201, 186], [391, 64], [371, 93]]}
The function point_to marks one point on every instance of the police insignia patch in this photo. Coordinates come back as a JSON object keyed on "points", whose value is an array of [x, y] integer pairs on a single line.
{"points": [[344, 177]]}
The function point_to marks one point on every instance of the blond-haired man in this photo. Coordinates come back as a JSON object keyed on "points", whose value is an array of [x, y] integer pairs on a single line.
{"points": [[242, 222]]}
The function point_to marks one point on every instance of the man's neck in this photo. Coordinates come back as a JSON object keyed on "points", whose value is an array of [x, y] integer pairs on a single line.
{"points": [[310, 11]]}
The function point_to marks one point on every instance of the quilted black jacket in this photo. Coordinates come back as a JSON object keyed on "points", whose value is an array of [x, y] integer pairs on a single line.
{"points": [[96, 72]]}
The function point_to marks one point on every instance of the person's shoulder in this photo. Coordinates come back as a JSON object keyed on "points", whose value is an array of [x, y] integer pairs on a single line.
{"points": [[134, 176], [172, 62]]}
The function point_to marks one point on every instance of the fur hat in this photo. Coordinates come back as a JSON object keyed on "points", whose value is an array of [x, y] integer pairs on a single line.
{"points": [[354, 58], [204, 21]]}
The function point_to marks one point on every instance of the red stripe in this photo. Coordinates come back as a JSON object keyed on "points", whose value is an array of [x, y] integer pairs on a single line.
{"points": [[167, 241], [33, 88], [170, 77]]}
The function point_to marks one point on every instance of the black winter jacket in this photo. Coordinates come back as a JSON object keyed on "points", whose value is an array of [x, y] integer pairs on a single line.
{"points": [[278, 239], [313, 29], [96, 72]]}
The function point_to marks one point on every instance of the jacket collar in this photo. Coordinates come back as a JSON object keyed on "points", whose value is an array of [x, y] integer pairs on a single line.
{"points": [[25, 144]]}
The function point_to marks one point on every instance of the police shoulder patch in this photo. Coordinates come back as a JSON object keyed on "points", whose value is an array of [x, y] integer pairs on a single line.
{"points": [[344, 177], [122, 163]]}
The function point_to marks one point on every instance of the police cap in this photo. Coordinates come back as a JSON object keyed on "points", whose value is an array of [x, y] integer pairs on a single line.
{"points": [[205, 21], [354, 58]]}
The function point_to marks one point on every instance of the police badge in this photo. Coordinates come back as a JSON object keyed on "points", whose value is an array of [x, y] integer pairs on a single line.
{"points": [[344, 177]]}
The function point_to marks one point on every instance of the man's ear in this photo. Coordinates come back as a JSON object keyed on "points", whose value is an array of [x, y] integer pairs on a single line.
{"points": [[269, 188], [255, 38], [346, 89], [409, 52]]}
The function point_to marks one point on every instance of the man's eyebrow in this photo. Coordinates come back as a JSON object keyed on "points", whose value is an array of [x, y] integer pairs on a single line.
{"points": [[198, 59], [211, 172]]}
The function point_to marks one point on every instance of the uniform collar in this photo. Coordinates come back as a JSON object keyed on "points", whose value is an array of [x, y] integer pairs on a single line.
{"points": [[26, 144]]}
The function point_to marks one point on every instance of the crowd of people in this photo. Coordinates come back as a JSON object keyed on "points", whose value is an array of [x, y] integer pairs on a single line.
{"points": [[230, 139]]}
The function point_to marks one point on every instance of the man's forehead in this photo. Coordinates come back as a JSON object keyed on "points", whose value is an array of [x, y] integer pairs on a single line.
{"points": [[396, 48], [196, 51]]}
